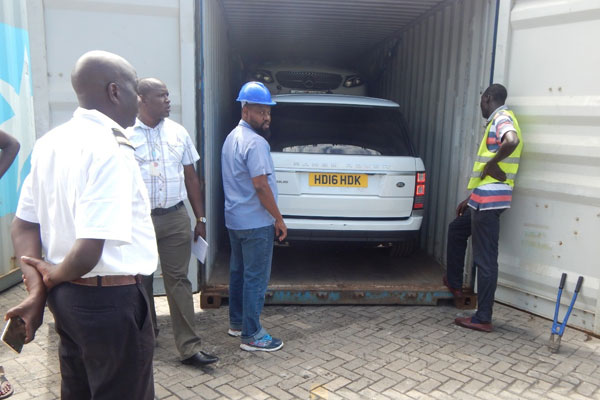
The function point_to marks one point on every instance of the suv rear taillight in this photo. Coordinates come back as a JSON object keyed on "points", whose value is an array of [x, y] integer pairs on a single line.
{"points": [[419, 203]]}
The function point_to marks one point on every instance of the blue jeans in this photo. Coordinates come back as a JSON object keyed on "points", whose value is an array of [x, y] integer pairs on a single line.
{"points": [[249, 273]]}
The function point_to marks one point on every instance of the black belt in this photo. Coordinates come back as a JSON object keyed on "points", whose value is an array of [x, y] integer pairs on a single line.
{"points": [[163, 211]]}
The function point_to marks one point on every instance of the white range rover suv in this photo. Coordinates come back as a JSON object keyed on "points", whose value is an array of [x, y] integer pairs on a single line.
{"points": [[346, 171]]}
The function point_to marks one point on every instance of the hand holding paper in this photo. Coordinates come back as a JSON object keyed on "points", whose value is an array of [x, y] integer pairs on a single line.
{"points": [[199, 248]]}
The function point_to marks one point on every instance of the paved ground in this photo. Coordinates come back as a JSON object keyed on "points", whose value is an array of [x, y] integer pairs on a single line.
{"points": [[350, 352]]}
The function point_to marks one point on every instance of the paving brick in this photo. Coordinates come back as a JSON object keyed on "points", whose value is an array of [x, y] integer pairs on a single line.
{"points": [[333, 363], [392, 394], [346, 393], [416, 366], [359, 384], [370, 394], [278, 393], [495, 386], [475, 374], [428, 386], [473, 386], [406, 385], [557, 396], [413, 375], [451, 386], [337, 383], [300, 393], [204, 392], [254, 393], [455, 375], [219, 381], [518, 386], [382, 385], [350, 375], [229, 392]]}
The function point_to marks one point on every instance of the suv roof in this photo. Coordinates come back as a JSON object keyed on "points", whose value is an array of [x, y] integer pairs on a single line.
{"points": [[334, 99]]}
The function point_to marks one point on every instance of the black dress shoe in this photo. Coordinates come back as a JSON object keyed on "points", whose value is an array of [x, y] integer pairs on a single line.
{"points": [[200, 359]]}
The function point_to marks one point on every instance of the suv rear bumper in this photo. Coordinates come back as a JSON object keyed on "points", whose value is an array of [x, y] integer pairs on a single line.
{"points": [[349, 236], [353, 230]]}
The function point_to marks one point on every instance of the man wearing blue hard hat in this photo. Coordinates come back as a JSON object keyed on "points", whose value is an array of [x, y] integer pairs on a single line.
{"points": [[251, 216]]}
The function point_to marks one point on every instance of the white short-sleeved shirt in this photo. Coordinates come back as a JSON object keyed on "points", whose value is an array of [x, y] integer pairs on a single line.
{"points": [[162, 152], [246, 155], [84, 185]]}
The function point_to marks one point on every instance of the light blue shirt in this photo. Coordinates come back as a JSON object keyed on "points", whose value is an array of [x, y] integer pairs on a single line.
{"points": [[246, 155]]}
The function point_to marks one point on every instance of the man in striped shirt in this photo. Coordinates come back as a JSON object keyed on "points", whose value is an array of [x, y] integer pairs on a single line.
{"points": [[478, 216]]}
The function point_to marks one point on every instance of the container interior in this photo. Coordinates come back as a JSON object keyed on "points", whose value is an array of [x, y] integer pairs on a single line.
{"points": [[432, 57]]}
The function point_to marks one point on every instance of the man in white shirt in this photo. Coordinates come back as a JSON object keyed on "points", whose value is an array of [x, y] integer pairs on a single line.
{"points": [[84, 208], [166, 156]]}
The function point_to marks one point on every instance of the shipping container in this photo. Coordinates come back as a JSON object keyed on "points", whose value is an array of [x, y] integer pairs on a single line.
{"points": [[17, 119], [434, 58]]}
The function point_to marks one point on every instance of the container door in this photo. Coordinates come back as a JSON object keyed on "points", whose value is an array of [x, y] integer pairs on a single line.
{"points": [[16, 118], [547, 56], [219, 114], [156, 36]]}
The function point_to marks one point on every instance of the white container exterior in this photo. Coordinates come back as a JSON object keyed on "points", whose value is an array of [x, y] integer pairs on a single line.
{"points": [[548, 57], [17, 119], [155, 36], [435, 67]]}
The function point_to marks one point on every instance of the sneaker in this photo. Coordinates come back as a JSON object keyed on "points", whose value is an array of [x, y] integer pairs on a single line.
{"points": [[234, 332], [266, 343]]}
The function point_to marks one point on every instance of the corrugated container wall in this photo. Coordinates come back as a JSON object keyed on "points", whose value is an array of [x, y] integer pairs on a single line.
{"points": [[17, 119], [435, 69], [218, 98]]}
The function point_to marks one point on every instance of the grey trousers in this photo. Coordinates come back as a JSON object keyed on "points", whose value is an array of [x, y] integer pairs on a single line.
{"points": [[173, 237]]}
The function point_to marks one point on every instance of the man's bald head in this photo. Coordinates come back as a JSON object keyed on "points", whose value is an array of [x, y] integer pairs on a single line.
{"points": [[154, 101], [106, 82], [146, 85]]}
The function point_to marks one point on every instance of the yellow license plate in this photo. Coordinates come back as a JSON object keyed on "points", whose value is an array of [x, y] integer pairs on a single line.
{"points": [[339, 180]]}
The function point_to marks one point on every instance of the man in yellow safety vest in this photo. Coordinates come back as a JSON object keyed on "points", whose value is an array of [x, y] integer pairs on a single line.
{"points": [[492, 181]]}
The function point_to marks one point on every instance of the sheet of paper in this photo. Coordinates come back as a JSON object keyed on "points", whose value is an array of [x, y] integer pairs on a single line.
{"points": [[199, 248]]}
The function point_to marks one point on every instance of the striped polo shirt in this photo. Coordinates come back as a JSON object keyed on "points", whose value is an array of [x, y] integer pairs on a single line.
{"points": [[494, 195]]}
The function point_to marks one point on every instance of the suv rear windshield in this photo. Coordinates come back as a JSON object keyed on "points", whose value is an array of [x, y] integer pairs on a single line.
{"points": [[327, 129]]}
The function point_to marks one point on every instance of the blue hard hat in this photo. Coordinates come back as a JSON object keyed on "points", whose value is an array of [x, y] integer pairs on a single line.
{"points": [[256, 93]]}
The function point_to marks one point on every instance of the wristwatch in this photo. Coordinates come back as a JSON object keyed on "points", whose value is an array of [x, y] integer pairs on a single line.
{"points": [[201, 219]]}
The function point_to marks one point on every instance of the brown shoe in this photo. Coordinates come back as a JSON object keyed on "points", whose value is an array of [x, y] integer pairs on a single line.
{"points": [[455, 292], [466, 323]]}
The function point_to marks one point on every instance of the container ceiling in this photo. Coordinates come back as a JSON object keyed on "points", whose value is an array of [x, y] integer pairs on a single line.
{"points": [[336, 32]]}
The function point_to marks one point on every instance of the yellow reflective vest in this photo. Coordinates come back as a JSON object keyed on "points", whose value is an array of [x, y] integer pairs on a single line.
{"points": [[510, 165]]}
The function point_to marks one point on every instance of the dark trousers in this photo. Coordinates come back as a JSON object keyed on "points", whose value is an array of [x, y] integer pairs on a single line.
{"points": [[484, 228], [106, 341]]}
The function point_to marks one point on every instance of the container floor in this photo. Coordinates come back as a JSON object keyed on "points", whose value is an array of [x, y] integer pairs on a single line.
{"points": [[342, 266], [330, 274]]}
